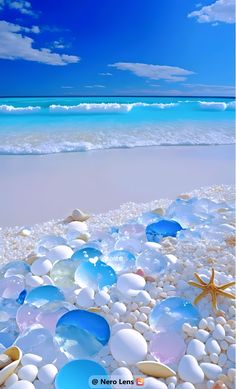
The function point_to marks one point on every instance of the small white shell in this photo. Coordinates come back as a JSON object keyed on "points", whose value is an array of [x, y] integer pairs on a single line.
{"points": [[15, 354]]}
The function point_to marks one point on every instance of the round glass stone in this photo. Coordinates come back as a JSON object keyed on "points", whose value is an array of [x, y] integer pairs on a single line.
{"points": [[162, 229], [167, 347], [133, 229], [11, 287], [43, 295], [14, 268], [79, 374], [120, 260], [129, 244], [148, 218], [21, 298], [171, 313], [48, 242], [63, 273], [152, 262], [81, 334], [86, 254], [95, 275]]}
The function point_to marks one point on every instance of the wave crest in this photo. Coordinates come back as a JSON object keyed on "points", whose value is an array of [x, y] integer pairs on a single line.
{"points": [[11, 109]]}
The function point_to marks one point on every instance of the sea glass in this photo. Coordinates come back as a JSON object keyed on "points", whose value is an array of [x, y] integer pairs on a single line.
{"points": [[120, 260], [167, 347], [95, 275], [44, 294], [162, 229], [152, 262]]}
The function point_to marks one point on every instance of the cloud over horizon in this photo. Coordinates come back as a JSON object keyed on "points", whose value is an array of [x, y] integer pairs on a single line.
{"points": [[154, 72], [219, 11], [16, 45]]}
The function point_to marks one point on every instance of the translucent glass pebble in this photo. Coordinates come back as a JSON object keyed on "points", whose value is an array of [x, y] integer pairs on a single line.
{"points": [[167, 347], [148, 218], [86, 254], [44, 294], [172, 313], [48, 242], [129, 244], [11, 287], [95, 275], [14, 268], [132, 229], [21, 298], [79, 374], [81, 334], [162, 229], [152, 262], [63, 273], [120, 260]]}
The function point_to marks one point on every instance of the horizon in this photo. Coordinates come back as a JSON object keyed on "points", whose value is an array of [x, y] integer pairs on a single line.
{"points": [[101, 96]]}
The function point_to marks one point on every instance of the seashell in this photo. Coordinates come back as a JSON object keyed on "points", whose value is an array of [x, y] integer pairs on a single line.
{"points": [[155, 369], [158, 211], [15, 355], [183, 196], [79, 215], [31, 258], [219, 385]]}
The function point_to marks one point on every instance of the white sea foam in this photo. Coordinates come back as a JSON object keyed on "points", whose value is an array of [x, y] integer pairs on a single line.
{"points": [[216, 105], [11, 109], [107, 107]]}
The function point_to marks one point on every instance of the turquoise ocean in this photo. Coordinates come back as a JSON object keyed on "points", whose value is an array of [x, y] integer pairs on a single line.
{"points": [[44, 125]]}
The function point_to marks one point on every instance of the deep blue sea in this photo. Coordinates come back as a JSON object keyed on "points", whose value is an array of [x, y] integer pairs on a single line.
{"points": [[47, 125]]}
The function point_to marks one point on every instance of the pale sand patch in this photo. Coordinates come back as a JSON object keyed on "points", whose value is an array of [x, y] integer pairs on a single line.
{"points": [[39, 188]]}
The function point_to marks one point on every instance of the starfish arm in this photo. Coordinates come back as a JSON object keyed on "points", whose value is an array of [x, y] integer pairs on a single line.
{"points": [[200, 296], [192, 283], [225, 286], [199, 279], [225, 294], [212, 276], [214, 300]]}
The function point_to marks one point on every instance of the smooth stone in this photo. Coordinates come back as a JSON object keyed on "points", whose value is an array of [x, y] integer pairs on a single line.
{"points": [[167, 347], [79, 372], [11, 287], [41, 266], [14, 268], [129, 244], [153, 383], [155, 369], [152, 262], [11, 380], [47, 242], [211, 370], [31, 359], [59, 252], [189, 370], [101, 298], [143, 297], [28, 373], [33, 281], [132, 229], [185, 385], [81, 334], [44, 294], [213, 346], [79, 215], [128, 345], [86, 254], [219, 332], [119, 308], [95, 275], [231, 352], [219, 385], [172, 313], [120, 260], [77, 226], [47, 374], [162, 229], [130, 284], [196, 349], [21, 298], [23, 384], [123, 374], [63, 273], [85, 297]]}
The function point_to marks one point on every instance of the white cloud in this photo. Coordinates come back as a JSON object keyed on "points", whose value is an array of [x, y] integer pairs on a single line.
{"points": [[105, 74], [16, 45], [219, 11], [23, 6], [67, 87], [209, 90], [95, 86], [154, 72]]}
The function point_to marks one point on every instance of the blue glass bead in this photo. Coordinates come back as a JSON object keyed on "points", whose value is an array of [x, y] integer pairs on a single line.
{"points": [[162, 229]]}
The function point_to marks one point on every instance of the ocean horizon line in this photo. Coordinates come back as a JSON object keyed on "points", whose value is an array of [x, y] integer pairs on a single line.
{"points": [[98, 96]]}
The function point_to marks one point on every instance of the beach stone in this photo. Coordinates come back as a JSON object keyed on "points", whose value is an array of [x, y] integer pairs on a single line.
{"points": [[31, 359], [121, 373], [219, 385], [129, 346], [119, 308], [28, 373], [219, 332], [231, 352], [87, 253], [153, 383], [132, 245], [23, 384], [120, 260], [212, 346], [130, 284], [59, 252], [47, 242], [202, 335], [143, 297], [95, 275], [185, 385], [189, 370], [85, 297], [78, 215], [11, 380], [11, 287], [162, 229], [41, 266], [14, 268], [101, 298], [196, 349], [152, 262], [33, 281], [211, 370], [63, 273], [167, 347], [47, 374]]}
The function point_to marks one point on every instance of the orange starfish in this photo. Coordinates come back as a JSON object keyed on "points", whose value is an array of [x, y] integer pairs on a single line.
{"points": [[212, 289]]}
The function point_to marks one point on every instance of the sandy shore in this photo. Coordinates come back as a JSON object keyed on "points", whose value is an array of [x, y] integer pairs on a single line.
{"points": [[35, 188]]}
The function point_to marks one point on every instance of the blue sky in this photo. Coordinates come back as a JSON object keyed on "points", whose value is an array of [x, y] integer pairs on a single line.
{"points": [[117, 47]]}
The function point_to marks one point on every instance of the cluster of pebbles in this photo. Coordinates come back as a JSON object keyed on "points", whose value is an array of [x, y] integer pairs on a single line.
{"points": [[169, 348]]}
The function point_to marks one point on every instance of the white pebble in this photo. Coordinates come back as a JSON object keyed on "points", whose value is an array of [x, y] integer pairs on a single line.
{"points": [[101, 298], [185, 385], [189, 370], [212, 346], [141, 326], [122, 373], [85, 297], [221, 320], [47, 280], [231, 352], [11, 380], [222, 360], [211, 370], [120, 326], [41, 266], [130, 284], [203, 324], [202, 335], [224, 345], [118, 308], [33, 281], [153, 383], [47, 374], [22, 385], [59, 252], [31, 359], [128, 346], [210, 384], [214, 358], [219, 332], [196, 349], [28, 373], [143, 297]]}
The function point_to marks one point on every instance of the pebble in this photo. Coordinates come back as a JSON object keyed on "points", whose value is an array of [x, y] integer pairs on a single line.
{"points": [[122, 373], [22, 385], [59, 252], [202, 335], [141, 326], [28, 373], [85, 297], [185, 385], [211, 370], [143, 297], [196, 349], [219, 332], [231, 352], [101, 298], [129, 346], [11, 380], [189, 370], [41, 266], [212, 346], [130, 284], [33, 281], [153, 383], [47, 374], [118, 308], [31, 359], [214, 358]]}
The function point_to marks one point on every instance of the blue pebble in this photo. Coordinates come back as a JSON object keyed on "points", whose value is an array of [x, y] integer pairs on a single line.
{"points": [[162, 229], [86, 254], [95, 275], [44, 294], [21, 298]]}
